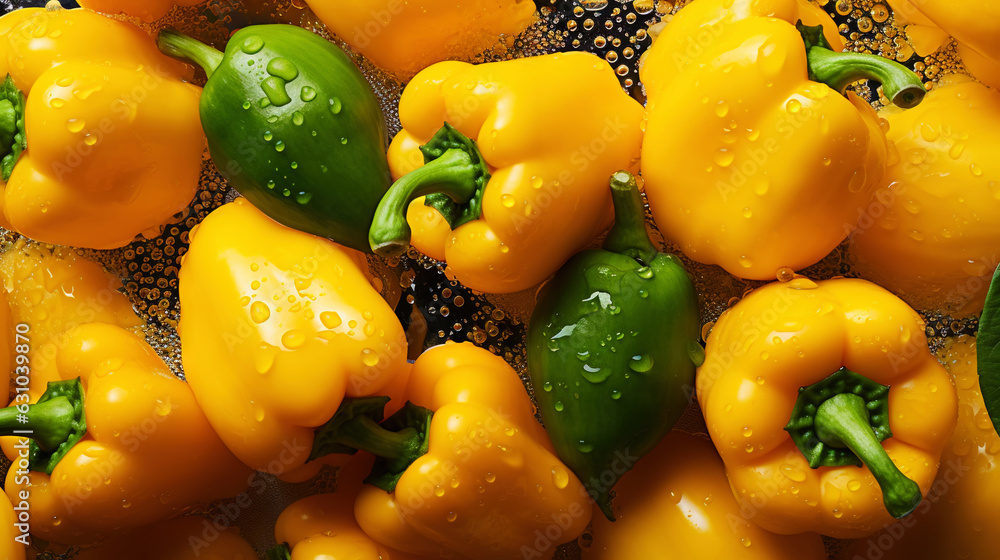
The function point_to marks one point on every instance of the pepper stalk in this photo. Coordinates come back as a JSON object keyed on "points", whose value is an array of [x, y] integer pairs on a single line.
{"points": [[841, 421], [13, 140], [840, 69], [54, 424]]}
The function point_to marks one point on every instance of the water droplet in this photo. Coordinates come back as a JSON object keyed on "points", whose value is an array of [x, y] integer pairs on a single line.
{"points": [[722, 109], [274, 89], [258, 414], [724, 157], [303, 198], [547, 387], [162, 408], [293, 339], [793, 106], [298, 118], [616, 394], [451, 517], [268, 136], [246, 105], [507, 200], [558, 406], [75, 125], [307, 94], [490, 478], [279, 146], [957, 150], [336, 105], [645, 272], [369, 357], [854, 486], [641, 363], [330, 319], [270, 184], [560, 477], [259, 312], [283, 68], [584, 447], [747, 431], [595, 374], [747, 213], [252, 45], [745, 262]]}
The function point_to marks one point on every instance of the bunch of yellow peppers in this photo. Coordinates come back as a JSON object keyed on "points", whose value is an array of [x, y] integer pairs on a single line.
{"points": [[825, 411]]}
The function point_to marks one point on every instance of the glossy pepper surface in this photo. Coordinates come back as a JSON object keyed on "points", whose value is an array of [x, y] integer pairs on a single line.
{"points": [[803, 383], [183, 538], [278, 326], [147, 10], [10, 548], [602, 400], [930, 233], [782, 161], [677, 498], [294, 126], [323, 526], [51, 290], [972, 24], [957, 520], [148, 452], [406, 36], [469, 438], [109, 141], [508, 209]]}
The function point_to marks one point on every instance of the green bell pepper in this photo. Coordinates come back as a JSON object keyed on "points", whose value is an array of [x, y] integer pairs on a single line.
{"points": [[612, 349], [294, 126]]}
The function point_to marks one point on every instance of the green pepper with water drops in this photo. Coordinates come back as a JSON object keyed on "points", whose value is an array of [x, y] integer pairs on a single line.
{"points": [[294, 126], [612, 349]]}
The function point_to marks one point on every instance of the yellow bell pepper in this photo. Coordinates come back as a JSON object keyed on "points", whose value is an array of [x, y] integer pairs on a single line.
{"points": [[406, 36], [973, 24], [277, 327], [322, 526], [507, 208], [12, 541], [677, 498], [752, 159], [114, 141], [148, 452], [930, 234], [958, 520], [183, 538], [50, 291], [464, 466], [826, 405], [147, 10]]}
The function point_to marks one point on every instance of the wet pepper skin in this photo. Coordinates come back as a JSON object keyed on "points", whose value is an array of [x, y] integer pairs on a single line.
{"points": [[149, 452], [321, 527], [934, 239], [115, 143], [278, 326], [790, 335], [748, 164], [550, 159], [147, 10], [182, 538], [406, 36], [958, 521], [52, 290], [677, 497], [9, 548], [973, 24], [498, 485]]}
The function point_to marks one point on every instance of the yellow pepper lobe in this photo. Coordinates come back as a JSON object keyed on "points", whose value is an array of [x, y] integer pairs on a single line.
{"points": [[405, 37], [789, 335], [115, 139], [270, 371], [929, 234], [149, 452], [686, 506], [549, 159], [782, 163]]}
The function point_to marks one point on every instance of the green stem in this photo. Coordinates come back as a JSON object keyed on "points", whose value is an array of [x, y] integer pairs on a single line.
{"points": [[364, 433], [628, 236], [279, 552], [13, 140], [841, 69], [50, 422], [453, 174], [180, 46], [842, 421]]}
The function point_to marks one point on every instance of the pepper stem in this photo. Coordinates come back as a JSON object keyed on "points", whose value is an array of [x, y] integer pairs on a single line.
{"points": [[842, 421], [453, 174], [12, 135], [628, 236], [841, 69], [54, 424], [177, 45], [49, 423], [366, 434]]}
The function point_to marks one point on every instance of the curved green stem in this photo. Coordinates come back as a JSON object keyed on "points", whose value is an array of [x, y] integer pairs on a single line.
{"points": [[177, 45], [279, 552], [841, 69], [628, 236], [842, 421], [453, 174]]}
